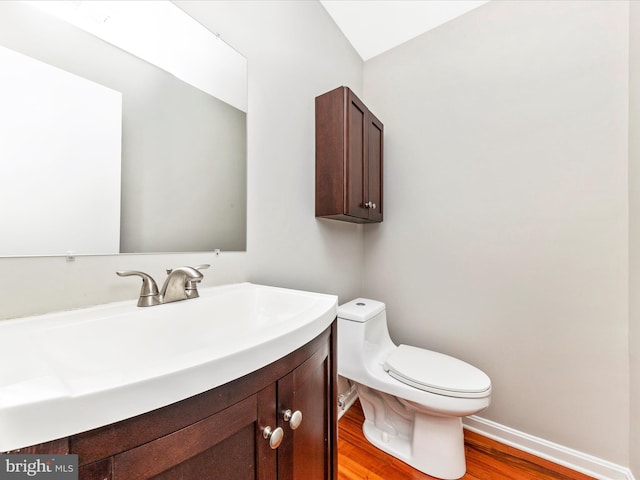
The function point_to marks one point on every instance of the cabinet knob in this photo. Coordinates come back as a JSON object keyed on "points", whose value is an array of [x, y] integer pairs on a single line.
{"points": [[370, 205], [274, 436], [294, 418]]}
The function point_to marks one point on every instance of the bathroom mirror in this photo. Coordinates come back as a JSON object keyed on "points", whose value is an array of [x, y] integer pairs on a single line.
{"points": [[164, 146]]}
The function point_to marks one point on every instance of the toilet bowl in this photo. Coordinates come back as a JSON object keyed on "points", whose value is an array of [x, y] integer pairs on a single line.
{"points": [[413, 399]]}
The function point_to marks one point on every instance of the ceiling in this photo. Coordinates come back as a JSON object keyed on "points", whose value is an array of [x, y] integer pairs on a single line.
{"points": [[375, 26]]}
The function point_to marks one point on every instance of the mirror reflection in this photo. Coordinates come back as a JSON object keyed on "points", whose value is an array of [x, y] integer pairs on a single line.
{"points": [[167, 158]]}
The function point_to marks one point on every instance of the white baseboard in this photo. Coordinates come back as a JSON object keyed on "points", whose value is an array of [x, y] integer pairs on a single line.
{"points": [[578, 461]]}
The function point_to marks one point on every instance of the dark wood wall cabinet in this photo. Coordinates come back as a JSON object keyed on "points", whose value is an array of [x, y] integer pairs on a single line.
{"points": [[349, 141], [276, 423]]}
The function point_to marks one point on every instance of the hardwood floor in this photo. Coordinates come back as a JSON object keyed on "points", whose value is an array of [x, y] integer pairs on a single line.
{"points": [[486, 458]]}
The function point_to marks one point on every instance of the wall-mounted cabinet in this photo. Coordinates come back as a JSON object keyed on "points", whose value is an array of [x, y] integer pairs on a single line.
{"points": [[349, 141]]}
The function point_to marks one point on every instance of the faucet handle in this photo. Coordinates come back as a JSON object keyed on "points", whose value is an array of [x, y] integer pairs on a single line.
{"points": [[149, 294]]}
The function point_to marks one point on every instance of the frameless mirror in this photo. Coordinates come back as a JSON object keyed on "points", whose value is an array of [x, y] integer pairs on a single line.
{"points": [[103, 152]]}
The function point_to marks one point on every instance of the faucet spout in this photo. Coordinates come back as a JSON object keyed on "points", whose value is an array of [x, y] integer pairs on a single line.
{"points": [[175, 286]]}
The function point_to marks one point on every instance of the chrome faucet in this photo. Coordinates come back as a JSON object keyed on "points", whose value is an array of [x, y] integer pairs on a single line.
{"points": [[181, 284], [175, 286]]}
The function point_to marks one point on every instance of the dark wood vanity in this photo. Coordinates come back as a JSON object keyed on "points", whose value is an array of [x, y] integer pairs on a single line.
{"points": [[219, 434], [349, 157]]}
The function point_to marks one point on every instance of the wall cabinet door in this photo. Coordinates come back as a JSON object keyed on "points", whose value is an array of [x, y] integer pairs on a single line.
{"points": [[349, 159], [373, 186]]}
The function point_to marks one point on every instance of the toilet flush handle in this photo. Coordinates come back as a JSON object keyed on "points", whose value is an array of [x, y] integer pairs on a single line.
{"points": [[294, 418]]}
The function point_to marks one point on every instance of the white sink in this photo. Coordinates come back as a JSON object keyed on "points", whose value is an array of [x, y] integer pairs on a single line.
{"points": [[78, 370]]}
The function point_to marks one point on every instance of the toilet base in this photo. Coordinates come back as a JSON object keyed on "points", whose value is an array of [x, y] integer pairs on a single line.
{"points": [[432, 444]]}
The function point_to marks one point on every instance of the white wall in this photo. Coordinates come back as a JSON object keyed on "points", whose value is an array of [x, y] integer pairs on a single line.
{"points": [[634, 231], [505, 240], [295, 52]]}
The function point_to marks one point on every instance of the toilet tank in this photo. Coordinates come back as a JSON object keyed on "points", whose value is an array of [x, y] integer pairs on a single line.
{"points": [[363, 337], [360, 309]]}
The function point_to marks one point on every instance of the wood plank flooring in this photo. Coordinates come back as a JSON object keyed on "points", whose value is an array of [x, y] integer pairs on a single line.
{"points": [[486, 458]]}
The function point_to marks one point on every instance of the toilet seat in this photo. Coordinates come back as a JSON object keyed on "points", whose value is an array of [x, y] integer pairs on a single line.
{"points": [[437, 373]]}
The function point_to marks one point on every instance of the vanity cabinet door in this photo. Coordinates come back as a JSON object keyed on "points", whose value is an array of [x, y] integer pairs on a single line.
{"points": [[227, 445], [349, 158], [306, 451]]}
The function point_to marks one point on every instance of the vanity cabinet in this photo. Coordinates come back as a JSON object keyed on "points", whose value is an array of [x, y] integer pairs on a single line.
{"points": [[349, 159], [219, 434]]}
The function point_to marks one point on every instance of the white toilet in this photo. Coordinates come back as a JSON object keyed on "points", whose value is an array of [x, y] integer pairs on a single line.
{"points": [[413, 399]]}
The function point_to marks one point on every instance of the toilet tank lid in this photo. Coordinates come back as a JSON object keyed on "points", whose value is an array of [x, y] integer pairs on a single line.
{"points": [[360, 309]]}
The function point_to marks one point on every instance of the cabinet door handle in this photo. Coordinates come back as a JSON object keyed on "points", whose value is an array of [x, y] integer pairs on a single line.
{"points": [[370, 205], [294, 418], [274, 436]]}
